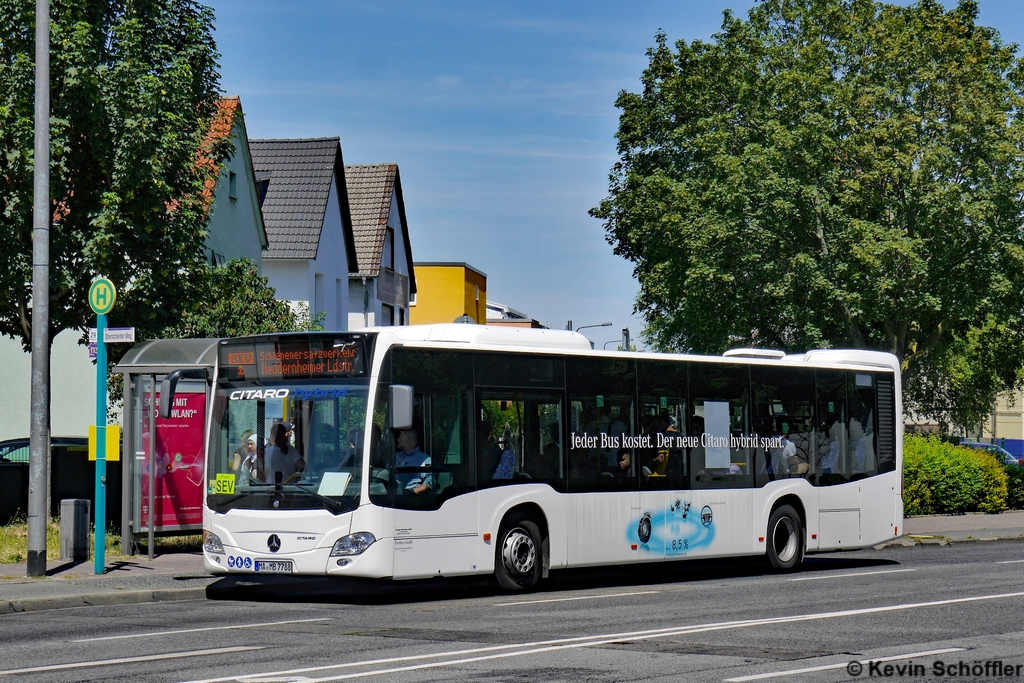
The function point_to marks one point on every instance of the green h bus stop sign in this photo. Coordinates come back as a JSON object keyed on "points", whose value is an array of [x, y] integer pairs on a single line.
{"points": [[102, 296]]}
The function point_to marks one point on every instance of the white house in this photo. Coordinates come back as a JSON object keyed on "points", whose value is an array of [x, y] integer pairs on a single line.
{"points": [[380, 291], [309, 226]]}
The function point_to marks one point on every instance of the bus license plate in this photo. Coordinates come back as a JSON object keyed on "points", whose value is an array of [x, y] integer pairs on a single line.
{"points": [[274, 566]]}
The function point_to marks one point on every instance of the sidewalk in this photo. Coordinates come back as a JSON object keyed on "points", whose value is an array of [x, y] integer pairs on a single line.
{"points": [[972, 526], [180, 576], [174, 576]]}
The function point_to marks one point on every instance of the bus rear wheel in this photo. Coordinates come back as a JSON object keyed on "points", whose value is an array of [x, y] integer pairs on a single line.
{"points": [[785, 539], [518, 561]]}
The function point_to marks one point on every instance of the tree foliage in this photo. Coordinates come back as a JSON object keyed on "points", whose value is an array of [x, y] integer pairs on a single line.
{"points": [[133, 90], [238, 302], [832, 173]]}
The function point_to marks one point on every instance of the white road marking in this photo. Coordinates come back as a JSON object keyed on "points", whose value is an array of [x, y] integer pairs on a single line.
{"points": [[589, 641], [843, 576], [129, 660], [841, 665], [1009, 561], [196, 630], [585, 597]]}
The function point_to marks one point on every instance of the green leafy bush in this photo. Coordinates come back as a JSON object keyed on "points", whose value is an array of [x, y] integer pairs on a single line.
{"points": [[917, 496], [1015, 488], [939, 477]]}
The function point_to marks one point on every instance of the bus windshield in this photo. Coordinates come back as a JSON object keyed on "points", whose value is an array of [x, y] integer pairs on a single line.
{"points": [[287, 445]]}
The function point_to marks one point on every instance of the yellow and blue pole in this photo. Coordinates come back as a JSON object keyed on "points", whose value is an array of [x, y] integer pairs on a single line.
{"points": [[102, 296], [101, 446]]}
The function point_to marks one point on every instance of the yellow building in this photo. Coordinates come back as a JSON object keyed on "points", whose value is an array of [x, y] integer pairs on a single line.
{"points": [[447, 291]]}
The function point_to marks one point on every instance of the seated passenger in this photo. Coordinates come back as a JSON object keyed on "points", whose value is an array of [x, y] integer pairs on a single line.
{"points": [[625, 460], [410, 455], [506, 464]]}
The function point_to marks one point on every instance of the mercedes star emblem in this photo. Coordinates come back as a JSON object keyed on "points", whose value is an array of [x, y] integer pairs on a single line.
{"points": [[274, 543]]}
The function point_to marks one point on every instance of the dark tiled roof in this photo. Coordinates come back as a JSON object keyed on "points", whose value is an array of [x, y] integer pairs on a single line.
{"points": [[370, 188], [300, 173]]}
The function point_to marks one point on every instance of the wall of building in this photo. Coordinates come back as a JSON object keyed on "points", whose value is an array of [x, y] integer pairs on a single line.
{"points": [[296, 279], [1006, 425], [448, 291], [363, 304], [72, 388], [234, 229]]}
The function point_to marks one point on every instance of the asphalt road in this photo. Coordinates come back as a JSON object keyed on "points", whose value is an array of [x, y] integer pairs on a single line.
{"points": [[728, 621]]}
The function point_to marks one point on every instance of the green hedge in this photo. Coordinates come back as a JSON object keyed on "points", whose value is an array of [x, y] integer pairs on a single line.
{"points": [[1015, 488], [939, 477]]}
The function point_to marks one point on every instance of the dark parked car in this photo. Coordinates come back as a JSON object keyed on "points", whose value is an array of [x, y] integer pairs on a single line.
{"points": [[16, 450], [1001, 454], [72, 475]]}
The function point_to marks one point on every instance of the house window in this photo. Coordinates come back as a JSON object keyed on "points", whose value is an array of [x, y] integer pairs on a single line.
{"points": [[387, 314], [388, 258], [401, 316], [232, 185], [318, 297]]}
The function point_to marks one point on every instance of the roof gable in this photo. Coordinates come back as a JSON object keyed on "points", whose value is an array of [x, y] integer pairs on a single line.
{"points": [[300, 173], [370, 189]]}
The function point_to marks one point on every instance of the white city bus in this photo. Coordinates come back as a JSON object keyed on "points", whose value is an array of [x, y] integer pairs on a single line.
{"points": [[534, 452]]}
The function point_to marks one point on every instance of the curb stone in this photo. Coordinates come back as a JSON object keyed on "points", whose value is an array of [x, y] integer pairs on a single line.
{"points": [[101, 599]]}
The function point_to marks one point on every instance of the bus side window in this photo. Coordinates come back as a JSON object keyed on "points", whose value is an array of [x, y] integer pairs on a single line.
{"points": [[860, 402], [519, 438], [783, 410], [602, 421], [441, 418], [719, 411], [663, 389], [831, 456]]}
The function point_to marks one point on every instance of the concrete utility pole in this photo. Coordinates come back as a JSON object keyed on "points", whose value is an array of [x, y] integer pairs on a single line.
{"points": [[39, 444]]}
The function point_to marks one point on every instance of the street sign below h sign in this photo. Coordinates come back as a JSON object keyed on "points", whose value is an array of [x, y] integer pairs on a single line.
{"points": [[102, 296]]}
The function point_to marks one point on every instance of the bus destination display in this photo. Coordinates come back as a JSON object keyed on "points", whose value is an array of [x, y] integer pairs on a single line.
{"points": [[294, 359]]}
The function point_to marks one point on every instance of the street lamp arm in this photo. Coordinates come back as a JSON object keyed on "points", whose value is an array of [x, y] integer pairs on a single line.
{"points": [[583, 327]]}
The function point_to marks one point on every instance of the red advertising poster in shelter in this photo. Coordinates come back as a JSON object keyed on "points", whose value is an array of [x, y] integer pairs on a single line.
{"points": [[178, 495]]}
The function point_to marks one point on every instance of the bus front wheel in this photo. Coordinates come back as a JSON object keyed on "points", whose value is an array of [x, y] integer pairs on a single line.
{"points": [[785, 539], [518, 562]]}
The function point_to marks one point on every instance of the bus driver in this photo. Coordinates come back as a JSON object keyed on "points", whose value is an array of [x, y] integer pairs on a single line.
{"points": [[410, 455]]}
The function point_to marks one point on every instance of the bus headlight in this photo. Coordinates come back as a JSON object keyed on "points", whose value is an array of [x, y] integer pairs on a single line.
{"points": [[353, 544], [211, 542]]}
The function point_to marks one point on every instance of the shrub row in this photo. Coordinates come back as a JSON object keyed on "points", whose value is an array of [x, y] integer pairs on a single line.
{"points": [[939, 477]]}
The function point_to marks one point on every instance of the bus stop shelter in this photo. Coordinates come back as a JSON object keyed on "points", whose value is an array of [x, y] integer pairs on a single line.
{"points": [[163, 459]]}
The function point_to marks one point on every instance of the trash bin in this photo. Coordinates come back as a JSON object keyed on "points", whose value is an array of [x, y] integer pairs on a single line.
{"points": [[74, 530]]}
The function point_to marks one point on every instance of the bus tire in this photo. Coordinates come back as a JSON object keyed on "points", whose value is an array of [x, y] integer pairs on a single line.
{"points": [[785, 539], [518, 561]]}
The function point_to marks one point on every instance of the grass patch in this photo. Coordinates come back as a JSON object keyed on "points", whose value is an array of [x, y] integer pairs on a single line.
{"points": [[14, 543]]}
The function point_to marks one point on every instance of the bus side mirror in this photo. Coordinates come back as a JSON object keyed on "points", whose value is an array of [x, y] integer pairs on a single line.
{"points": [[169, 385], [400, 398]]}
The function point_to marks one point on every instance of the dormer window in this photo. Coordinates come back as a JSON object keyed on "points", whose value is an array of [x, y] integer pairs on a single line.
{"points": [[262, 185]]}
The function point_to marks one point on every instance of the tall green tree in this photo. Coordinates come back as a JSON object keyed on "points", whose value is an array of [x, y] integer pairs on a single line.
{"points": [[240, 302], [133, 88], [832, 173]]}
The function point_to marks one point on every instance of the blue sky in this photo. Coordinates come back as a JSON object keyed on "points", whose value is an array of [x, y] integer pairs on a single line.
{"points": [[501, 117]]}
